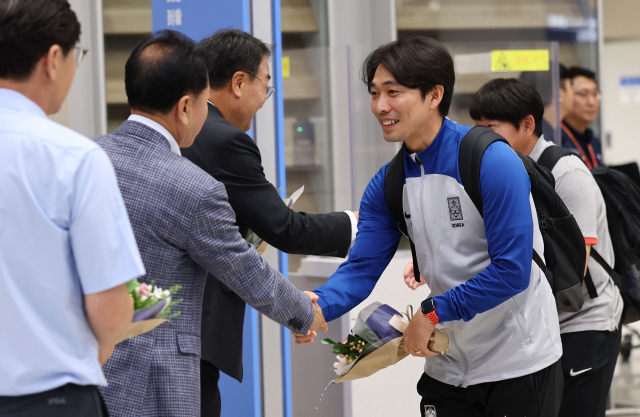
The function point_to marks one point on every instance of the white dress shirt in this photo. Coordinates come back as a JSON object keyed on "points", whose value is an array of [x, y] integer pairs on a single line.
{"points": [[158, 128]]}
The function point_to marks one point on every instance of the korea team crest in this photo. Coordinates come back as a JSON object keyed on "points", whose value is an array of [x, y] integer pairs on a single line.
{"points": [[455, 211], [430, 411]]}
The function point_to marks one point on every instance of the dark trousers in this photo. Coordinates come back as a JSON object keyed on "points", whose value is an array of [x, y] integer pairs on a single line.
{"points": [[210, 394], [68, 400], [534, 395], [588, 361]]}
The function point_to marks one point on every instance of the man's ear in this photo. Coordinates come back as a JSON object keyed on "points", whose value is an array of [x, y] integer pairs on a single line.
{"points": [[435, 96], [184, 109], [528, 124], [51, 62], [238, 82]]}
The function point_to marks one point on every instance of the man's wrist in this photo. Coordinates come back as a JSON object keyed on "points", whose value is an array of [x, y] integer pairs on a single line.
{"points": [[428, 308]]}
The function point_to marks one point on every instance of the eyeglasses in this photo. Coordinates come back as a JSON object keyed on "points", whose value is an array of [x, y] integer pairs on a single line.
{"points": [[79, 54], [270, 89], [584, 94]]}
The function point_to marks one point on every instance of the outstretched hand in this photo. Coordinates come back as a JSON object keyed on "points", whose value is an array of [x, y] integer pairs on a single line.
{"points": [[410, 278], [318, 322]]}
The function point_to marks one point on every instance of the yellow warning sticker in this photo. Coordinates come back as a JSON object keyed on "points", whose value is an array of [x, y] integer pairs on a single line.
{"points": [[520, 60], [286, 67]]}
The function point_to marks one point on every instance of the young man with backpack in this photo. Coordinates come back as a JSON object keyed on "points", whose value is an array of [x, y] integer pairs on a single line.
{"points": [[591, 336], [478, 265]]}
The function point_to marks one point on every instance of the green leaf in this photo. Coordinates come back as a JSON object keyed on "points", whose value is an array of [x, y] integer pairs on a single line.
{"points": [[132, 285], [169, 317], [328, 341], [149, 302], [166, 313]]}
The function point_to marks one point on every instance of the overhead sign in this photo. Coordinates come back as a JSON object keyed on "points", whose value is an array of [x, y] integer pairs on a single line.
{"points": [[520, 60], [630, 89], [200, 18]]}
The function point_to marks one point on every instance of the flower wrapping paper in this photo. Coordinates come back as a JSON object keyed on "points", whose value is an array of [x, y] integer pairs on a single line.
{"points": [[146, 318], [383, 327]]}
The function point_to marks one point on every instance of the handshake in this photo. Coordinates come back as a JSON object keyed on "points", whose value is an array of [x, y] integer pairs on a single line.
{"points": [[318, 322]]}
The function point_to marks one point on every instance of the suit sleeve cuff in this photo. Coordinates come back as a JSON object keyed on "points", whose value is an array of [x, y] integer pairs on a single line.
{"points": [[444, 310], [354, 225]]}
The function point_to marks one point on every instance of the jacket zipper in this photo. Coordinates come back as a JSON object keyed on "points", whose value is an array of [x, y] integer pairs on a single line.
{"points": [[464, 358], [453, 337], [424, 223]]}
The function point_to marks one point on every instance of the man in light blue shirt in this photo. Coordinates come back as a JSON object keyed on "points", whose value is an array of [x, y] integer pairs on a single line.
{"points": [[66, 245]]}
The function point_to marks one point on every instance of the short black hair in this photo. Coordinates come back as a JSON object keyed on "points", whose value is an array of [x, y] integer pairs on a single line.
{"points": [[415, 62], [564, 73], [231, 50], [565, 77], [508, 100], [582, 72], [28, 29], [161, 69]]}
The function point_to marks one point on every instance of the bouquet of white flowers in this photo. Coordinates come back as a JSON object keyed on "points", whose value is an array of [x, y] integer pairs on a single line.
{"points": [[375, 342], [152, 307]]}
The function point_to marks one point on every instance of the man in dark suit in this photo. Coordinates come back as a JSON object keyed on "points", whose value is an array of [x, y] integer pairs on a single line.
{"points": [[184, 228], [238, 81]]}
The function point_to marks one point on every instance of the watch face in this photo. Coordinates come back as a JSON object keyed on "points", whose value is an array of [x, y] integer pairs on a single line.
{"points": [[428, 306]]}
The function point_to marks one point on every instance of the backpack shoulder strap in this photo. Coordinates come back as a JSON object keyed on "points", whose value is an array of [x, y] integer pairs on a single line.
{"points": [[393, 187], [393, 190], [610, 271], [472, 148], [550, 156]]}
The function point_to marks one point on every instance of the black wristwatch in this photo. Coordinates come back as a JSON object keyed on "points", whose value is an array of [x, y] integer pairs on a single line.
{"points": [[429, 309]]}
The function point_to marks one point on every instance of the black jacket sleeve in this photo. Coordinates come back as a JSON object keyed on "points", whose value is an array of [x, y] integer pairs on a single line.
{"points": [[236, 162]]}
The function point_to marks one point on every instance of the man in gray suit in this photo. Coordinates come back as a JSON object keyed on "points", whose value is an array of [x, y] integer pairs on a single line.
{"points": [[185, 228]]}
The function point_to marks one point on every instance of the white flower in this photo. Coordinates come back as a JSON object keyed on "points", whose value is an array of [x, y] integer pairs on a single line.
{"points": [[143, 298], [157, 293], [342, 362], [166, 293]]}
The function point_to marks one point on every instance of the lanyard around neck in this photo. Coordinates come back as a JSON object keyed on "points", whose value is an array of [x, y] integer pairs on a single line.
{"points": [[579, 147]]}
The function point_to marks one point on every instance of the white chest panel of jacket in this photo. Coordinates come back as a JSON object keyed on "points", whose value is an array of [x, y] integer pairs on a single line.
{"points": [[516, 338]]}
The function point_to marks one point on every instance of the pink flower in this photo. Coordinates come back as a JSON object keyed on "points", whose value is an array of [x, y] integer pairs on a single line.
{"points": [[144, 289]]}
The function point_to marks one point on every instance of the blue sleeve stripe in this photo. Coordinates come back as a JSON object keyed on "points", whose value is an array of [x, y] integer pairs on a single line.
{"points": [[376, 243]]}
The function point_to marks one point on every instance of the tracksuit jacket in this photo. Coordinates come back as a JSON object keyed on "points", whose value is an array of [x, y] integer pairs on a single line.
{"points": [[479, 270]]}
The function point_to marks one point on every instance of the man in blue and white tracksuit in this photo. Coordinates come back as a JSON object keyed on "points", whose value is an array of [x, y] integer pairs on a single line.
{"points": [[505, 361]]}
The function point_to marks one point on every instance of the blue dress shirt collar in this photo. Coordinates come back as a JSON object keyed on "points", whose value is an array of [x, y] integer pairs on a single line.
{"points": [[11, 99]]}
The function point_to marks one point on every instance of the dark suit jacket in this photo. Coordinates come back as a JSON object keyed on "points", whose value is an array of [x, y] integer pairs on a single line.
{"points": [[232, 157]]}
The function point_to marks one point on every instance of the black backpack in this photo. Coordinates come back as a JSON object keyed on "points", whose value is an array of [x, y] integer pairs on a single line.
{"points": [[563, 242], [622, 201]]}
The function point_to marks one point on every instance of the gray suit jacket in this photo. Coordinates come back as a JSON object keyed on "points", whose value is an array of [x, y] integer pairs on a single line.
{"points": [[184, 227]]}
